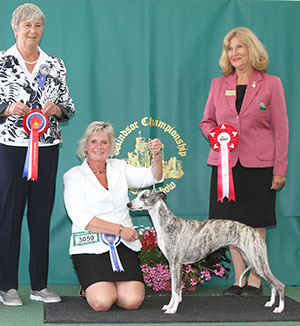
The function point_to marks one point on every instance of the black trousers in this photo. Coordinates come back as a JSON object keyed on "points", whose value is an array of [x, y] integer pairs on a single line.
{"points": [[15, 193]]}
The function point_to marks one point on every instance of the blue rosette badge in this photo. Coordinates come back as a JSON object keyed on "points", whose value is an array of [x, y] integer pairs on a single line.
{"points": [[112, 241], [35, 124], [44, 71]]}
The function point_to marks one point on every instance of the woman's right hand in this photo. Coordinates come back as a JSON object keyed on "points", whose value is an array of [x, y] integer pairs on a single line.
{"points": [[17, 108], [278, 182], [129, 234]]}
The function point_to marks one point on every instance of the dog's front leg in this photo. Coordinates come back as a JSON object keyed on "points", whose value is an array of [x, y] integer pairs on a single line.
{"points": [[176, 298]]}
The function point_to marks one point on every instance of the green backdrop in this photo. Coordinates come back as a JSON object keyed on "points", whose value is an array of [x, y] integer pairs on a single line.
{"points": [[146, 66]]}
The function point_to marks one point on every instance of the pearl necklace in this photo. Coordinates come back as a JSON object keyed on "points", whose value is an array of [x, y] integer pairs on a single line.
{"points": [[31, 63]]}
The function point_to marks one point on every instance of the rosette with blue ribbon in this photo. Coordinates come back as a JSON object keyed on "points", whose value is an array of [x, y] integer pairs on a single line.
{"points": [[112, 241], [223, 139], [35, 124], [44, 71]]}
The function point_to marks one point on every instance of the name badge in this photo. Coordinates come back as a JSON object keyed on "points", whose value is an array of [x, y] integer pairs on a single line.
{"points": [[85, 238], [230, 93]]}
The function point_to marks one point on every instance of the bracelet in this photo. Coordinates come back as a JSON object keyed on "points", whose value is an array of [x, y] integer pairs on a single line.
{"points": [[8, 110], [120, 230]]}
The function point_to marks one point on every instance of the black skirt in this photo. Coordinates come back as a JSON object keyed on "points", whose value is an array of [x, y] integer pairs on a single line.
{"points": [[255, 201], [93, 268]]}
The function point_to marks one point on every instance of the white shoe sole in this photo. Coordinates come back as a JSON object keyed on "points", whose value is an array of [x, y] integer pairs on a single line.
{"points": [[39, 298], [10, 304]]}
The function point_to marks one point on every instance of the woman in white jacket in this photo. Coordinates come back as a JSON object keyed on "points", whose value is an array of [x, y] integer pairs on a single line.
{"points": [[103, 243]]}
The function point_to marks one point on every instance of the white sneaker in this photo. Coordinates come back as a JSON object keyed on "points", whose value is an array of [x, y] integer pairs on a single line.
{"points": [[44, 295], [10, 298]]}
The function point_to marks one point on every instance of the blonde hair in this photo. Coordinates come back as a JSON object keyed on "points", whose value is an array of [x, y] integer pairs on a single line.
{"points": [[96, 126], [26, 11], [258, 55]]}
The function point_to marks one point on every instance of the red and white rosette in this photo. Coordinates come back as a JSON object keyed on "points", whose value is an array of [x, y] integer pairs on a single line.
{"points": [[35, 124], [223, 139]]}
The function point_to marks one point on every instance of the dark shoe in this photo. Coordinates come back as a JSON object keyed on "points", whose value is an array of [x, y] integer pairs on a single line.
{"points": [[233, 291], [81, 292], [252, 291]]}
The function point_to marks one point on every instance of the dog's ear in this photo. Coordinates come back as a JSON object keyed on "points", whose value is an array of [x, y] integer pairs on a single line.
{"points": [[162, 195]]}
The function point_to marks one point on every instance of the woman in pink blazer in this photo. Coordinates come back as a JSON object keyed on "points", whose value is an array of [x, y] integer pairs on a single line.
{"points": [[253, 102]]}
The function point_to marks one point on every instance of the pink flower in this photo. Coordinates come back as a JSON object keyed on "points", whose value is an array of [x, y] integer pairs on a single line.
{"points": [[219, 270], [205, 275], [193, 282]]}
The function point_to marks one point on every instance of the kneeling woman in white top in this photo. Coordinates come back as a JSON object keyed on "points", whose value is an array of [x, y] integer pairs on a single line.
{"points": [[96, 194]]}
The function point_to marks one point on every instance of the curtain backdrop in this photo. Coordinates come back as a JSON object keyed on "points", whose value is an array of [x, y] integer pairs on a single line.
{"points": [[146, 67]]}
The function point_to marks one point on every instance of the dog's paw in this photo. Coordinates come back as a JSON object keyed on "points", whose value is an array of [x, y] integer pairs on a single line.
{"points": [[165, 307], [269, 304], [171, 311], [278, 310]]}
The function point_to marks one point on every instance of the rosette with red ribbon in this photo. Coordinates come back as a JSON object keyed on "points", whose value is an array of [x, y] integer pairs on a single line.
{"points": [[223, 139], [35, 124]]}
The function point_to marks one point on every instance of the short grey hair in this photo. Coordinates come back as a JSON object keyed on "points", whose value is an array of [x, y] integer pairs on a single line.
{"points": [[96, 126], [26, 11]]}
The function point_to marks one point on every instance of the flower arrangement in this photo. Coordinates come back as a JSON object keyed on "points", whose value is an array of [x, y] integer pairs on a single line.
{"points": [[156, 271]]}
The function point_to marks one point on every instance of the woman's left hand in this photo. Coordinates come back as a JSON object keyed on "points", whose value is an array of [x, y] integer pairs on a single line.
{"points": [[278, 182], [154, 146], [51, 109]]}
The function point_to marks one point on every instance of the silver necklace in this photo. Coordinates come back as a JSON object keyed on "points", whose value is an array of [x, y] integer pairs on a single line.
{"points": [[99, 171], [31, 63]]}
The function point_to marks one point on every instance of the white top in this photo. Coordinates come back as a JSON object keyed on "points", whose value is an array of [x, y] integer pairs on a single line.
{"points": [[86, 198]]}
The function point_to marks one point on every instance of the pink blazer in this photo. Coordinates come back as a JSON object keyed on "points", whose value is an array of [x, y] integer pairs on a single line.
{"points": [[262, 122]]}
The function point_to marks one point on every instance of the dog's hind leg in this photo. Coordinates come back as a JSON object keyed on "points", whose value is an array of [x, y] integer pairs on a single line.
{"points": [[276, 285], [176, 297], [258, 259], [271, 302], [264, 272]]}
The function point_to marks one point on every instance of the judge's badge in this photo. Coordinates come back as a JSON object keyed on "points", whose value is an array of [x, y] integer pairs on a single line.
{"points": [[230, 93]]}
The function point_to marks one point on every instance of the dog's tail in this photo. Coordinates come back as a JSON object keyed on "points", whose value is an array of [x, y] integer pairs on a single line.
{"points": [[241, 277]]}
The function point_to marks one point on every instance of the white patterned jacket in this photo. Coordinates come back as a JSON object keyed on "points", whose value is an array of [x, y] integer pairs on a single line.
{"points": [[18, 85]]}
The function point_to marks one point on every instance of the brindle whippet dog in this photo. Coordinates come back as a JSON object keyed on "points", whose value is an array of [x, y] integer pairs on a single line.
{"points": [[187, 241]]}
